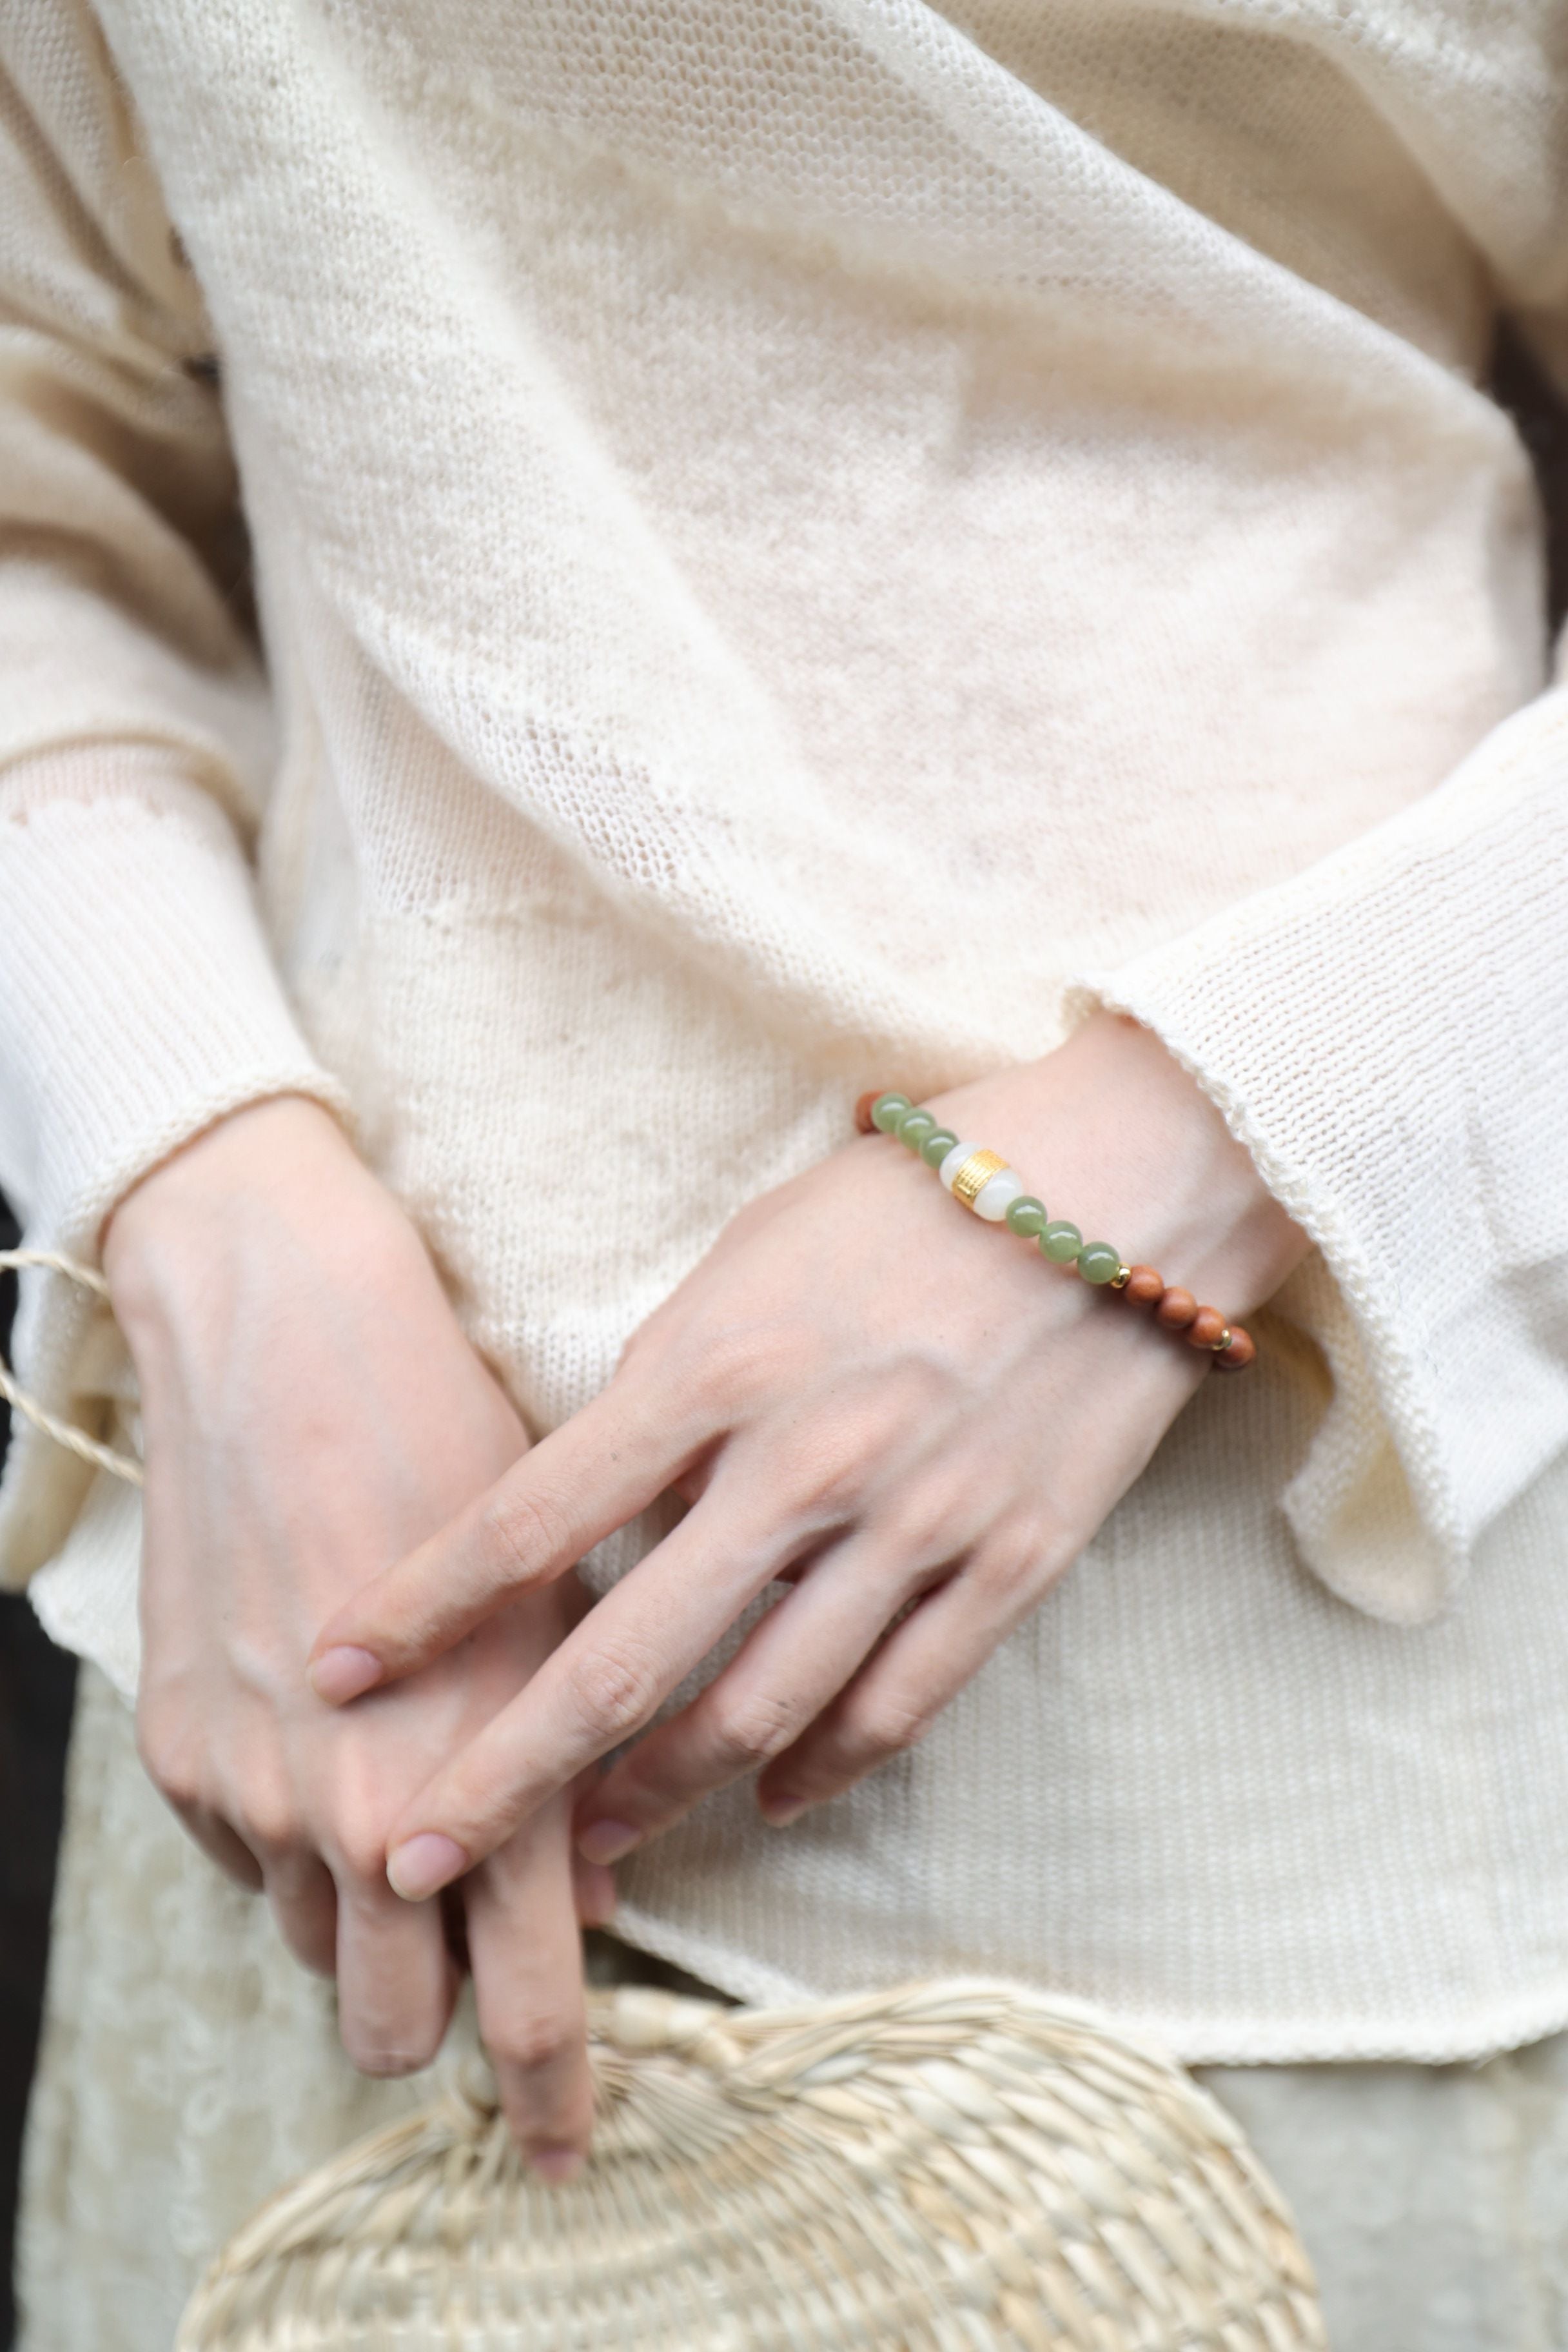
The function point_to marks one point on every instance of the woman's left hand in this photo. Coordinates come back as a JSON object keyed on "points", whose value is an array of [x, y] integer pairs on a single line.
{"points": [[913, 1419]]}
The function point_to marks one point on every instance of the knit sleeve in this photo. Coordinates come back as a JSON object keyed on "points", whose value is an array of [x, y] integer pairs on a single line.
{"points": [[138, 1000], [1387, 1033]]}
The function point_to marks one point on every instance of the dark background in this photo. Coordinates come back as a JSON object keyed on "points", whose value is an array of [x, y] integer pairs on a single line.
{"points": [[35, 1685], [36, 1680]]}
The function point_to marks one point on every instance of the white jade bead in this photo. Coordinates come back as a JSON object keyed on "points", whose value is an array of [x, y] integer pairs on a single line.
{"points": [[994, 1199], [954, 1161]]}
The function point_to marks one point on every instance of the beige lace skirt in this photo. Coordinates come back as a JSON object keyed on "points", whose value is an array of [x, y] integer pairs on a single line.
{"points": [[189, 2068]]}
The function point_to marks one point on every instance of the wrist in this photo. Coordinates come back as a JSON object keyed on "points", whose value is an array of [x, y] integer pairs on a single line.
{"points": [[1117, 1137], [228, 1197]]}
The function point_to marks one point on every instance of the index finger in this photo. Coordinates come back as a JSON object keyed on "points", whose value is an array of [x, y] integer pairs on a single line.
{"points": [[557, 1502], [605, 1682]]}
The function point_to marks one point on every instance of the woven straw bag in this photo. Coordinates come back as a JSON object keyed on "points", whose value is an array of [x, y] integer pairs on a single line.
{"points": [[952, 2168]]}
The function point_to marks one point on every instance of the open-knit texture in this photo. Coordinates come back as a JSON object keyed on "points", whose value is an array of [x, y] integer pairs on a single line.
{"points": [[797, 545]]}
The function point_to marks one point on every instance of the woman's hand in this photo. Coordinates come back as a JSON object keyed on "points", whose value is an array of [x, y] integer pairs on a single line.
{"points": [[310, 1409], [863, 1390]]}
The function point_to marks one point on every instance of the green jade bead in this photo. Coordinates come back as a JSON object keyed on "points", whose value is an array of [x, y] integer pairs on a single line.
{"points": [[888, 1110], [1027, 1216], [1061, 1242], [1097, 1261], [915, 1126], [937, 1145]]}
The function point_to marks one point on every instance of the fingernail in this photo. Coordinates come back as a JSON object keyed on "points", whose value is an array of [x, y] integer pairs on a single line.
{"points": [[607, 1841], [557, 2165], [421, 1865], [337, 1675], [779, 1811]]}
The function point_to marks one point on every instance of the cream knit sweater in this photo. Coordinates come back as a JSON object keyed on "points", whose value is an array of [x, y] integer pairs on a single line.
{"points": [[797, 543]]}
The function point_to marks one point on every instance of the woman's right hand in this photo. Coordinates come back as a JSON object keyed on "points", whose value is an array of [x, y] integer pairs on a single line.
{"points": [[310, 1412]]}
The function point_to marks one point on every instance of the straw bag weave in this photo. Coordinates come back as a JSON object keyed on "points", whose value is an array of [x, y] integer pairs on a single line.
{"points": [[952, 2168]]}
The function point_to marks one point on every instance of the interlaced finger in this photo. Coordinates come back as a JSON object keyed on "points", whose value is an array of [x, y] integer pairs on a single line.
{"points": [[604, 1683], [891, 1703], [304, 1900], [577, 1485], [527, 1959], [396, 1982], [790, 1665]]}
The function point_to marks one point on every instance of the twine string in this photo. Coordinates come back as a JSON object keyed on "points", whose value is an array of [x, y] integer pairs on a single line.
{"points": [[64, 1433]]}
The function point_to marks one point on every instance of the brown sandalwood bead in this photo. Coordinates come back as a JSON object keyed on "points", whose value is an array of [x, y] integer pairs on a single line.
{"points": [[1243, 1347], [1207, 1327], [863, 1111], [1176, 1309], [1144, 1285]]}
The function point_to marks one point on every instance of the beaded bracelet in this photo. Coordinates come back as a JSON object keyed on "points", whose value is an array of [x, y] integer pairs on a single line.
{"points": [[984, 1182]]}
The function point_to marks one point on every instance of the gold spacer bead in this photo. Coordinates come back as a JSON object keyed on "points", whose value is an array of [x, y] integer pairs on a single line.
{"points": [[1218, 1346], [975, 1174], [1121, 1277]]}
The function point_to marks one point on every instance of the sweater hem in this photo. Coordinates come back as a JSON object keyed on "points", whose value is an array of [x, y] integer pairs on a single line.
{"points": [[1470, 2034]]}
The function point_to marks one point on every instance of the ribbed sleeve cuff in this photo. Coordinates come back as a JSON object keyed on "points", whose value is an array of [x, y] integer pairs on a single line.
{"points": [[138, 1004], [1387, 1034], [140, 1001]]}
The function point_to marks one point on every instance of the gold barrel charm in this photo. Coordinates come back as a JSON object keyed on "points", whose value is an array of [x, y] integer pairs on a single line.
{"points": [[975, 1174]]}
